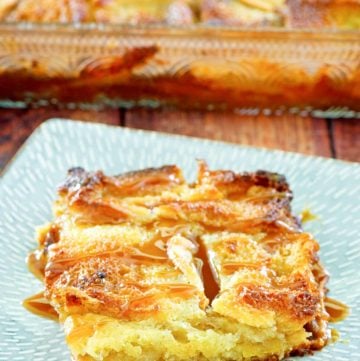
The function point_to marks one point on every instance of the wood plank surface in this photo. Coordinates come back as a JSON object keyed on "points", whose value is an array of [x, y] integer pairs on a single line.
{"points": [[291, 133], [338, 138], [17, 124], [346, 136]]}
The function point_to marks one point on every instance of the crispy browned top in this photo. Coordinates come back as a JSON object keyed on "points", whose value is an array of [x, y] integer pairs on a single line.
{"points": [[290, 13], [131, 246], [128, 245]]}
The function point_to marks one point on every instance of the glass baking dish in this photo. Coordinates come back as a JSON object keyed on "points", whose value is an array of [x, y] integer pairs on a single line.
{"points": [[194, 67]]}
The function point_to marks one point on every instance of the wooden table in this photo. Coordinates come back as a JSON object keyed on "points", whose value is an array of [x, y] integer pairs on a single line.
{"points": [[329, 138]]}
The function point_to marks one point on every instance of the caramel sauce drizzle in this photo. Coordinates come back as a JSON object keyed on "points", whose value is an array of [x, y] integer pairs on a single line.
{"points": [[39, 305], [179, 290], [337, 310], [209, 276], [231, 267], [153, 252], [335, 335], [36, 262], [307, 216]]}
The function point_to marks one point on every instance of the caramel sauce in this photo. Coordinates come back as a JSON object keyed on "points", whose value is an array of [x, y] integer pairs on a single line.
{"points": [[335, 335], [142, 183], [37, 259], [307, 216], [40, 306], [152, 252], [154, 249], [209, 276], [36, 262], [336, 309], [231, 267], [164, 290], [242, 196]]}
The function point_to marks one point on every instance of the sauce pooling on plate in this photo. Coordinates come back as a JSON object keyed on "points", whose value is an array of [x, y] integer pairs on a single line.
{"points": [[40, 306], [36, 262], [336, 310]]}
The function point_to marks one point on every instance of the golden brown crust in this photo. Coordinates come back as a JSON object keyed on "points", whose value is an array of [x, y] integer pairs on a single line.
{"points": [[293, 13], [127, 184], [131, 247], [294, 297]]}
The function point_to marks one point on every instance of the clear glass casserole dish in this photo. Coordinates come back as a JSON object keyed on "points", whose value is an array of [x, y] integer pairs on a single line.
{"points": [[198, 66]]}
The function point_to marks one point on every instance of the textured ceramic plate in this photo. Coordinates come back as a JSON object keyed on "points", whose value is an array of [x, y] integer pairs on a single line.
{"points": [[331, 189]]}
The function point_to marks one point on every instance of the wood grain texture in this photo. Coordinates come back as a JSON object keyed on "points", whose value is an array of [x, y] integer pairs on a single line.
{"points": [[291, 133], [17, 124], [346, 135]]}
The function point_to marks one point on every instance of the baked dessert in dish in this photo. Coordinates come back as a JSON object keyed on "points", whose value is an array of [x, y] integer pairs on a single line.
{"points": [[244, 13], [107, 11], [147, 266]]}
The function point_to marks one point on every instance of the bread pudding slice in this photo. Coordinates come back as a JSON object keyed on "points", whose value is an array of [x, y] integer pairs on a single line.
{"points": [[145, 266]]}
